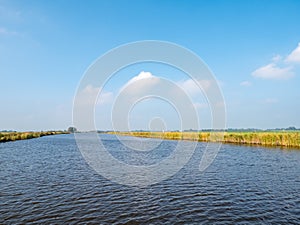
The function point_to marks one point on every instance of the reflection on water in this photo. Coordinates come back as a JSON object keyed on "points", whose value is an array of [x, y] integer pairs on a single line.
{"points": [[46, 180]]}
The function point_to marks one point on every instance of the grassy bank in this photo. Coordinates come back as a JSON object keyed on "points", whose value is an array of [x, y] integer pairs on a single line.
{"points": [[284, 139], [14, 136]]}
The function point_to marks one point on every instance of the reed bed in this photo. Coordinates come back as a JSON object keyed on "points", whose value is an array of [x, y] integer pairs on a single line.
{"points": [[14, 136], [284, 139]]}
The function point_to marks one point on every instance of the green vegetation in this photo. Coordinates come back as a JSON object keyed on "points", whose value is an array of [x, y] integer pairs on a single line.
{"points": [[283, 138], [72, 129], [14, 136]]}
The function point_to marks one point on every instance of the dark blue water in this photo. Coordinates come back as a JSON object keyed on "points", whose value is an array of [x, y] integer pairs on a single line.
{"points": [[46, 181]]}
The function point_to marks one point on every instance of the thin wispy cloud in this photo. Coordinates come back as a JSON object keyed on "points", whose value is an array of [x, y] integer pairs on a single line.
{"points": [[9, 17], [199, 105], [5, 32], [246, 83], [277, 58], [105, 98], [191, 87], [90, 93], [270, 101], [273, 71], [10, 14]]}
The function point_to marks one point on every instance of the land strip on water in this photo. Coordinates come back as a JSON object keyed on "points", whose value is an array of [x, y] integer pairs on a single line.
{"points": [[15, 136], [262, 138]]}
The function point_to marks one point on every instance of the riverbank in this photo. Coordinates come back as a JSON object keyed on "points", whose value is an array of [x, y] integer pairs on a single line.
{"points": [[15, 136], [284, 139]]}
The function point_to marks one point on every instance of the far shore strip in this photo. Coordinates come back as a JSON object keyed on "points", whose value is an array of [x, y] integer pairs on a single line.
{"points": [[284, 139]]}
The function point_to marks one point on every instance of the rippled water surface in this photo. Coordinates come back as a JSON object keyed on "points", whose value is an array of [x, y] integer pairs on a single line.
{"points": [[46, 180]]}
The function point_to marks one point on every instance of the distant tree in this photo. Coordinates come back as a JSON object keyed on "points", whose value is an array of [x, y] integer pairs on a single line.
{"points": [[291, 128], [72, 129]]}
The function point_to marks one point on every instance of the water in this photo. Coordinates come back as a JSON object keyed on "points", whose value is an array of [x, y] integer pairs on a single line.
{"points": [[46, 180]]}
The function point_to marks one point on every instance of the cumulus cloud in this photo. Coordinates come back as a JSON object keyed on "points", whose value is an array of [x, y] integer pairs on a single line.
{"points": [[140, 76], [246, 83], [190, 86], [147, 79], [146, 85], [294, 56], [273, 71]]}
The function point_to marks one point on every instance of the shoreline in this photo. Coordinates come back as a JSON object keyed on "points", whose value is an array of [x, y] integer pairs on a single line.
{"points": [[18, 136], [263, 138]]}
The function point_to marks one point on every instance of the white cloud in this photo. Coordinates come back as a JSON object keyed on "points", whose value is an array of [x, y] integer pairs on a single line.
{"points": [[148, 86], [190, 86], [88, 95], [198, 105], [221, 83], [273, 71], [105, 97], [146, 81], [246, 83], [280, 68], [294, 56], [220, 104], [85, 104], [276, 58], [140, 76]]}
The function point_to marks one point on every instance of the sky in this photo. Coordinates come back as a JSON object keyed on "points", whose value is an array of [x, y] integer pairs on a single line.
{"points": [[252, 48]]}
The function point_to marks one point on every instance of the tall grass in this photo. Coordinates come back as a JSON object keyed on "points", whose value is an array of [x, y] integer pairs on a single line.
{"points": [[285, 139], [14, 136]]}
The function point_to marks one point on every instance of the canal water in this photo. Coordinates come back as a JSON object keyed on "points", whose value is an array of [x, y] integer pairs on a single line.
{"points": [[47, 181]]}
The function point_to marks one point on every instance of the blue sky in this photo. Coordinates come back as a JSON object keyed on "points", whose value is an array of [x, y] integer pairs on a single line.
{"points": [[251, 46]]}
